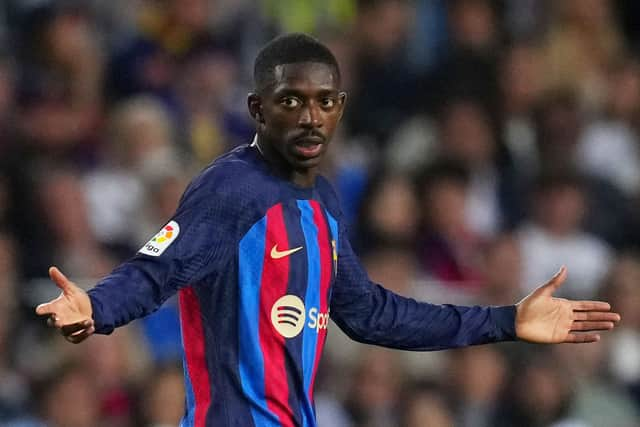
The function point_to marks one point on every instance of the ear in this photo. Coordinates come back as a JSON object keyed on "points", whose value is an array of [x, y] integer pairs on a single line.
{"points": [[254, 102], [342, 100]]}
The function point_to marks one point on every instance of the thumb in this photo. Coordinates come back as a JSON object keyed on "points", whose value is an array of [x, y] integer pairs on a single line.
{"points": [[554, 283], [66, 286]]}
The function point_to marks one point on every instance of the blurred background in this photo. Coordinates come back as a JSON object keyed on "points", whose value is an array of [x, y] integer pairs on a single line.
{"points": [[484, 144]]}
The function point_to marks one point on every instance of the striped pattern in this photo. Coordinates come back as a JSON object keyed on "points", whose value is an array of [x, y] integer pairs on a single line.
{"points": [[326, 263], [198, 387], [275, 276], [272, 371], [312, 299], [251, 362]]}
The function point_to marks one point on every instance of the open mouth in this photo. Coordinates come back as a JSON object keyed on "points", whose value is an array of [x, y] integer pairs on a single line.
{"points": [[308, 146]]}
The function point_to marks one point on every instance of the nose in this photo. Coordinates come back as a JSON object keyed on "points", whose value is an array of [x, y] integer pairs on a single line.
{"points": [[310, 117]]}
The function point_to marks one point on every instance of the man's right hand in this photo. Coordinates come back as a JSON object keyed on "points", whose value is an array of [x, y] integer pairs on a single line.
{"points": [[71, 312]]}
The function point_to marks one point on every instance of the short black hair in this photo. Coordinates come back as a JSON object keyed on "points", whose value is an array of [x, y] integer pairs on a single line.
{"points": [[290, 48]]}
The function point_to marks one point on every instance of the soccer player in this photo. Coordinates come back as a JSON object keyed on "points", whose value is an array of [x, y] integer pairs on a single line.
{"points": [[258, 253]]}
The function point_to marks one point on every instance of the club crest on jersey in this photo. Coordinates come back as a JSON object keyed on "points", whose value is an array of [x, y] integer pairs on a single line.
{"points": [[334, 253], [161, 241]]}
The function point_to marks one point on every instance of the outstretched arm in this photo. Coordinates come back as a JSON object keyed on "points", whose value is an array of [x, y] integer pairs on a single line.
{"points": [[371, 314], [197, 242], [543, 318]]}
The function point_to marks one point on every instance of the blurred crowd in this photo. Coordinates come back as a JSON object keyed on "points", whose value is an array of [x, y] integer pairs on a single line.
{"points": [[484, 144]]}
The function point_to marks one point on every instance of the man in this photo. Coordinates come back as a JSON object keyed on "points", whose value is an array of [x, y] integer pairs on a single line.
{"points": [[258, 252]]}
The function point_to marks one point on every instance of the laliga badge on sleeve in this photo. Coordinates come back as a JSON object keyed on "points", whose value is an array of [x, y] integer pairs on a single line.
{"points": [[161, 241]]}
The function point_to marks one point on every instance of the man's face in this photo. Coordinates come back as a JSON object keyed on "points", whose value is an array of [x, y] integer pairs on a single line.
{"points": [[298, 114]]}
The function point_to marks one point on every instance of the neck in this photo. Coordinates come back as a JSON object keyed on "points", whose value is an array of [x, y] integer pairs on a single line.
{"points": [[301, 177]]}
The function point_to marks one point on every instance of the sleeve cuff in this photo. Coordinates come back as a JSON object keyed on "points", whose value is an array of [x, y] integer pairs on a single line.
{"points": [[505, 320], [98, 316]]}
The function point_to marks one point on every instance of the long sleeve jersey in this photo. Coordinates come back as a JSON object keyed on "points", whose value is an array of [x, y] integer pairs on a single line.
{"points": [[259, 265]]}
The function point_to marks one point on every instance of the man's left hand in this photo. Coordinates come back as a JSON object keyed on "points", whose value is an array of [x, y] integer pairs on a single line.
{"points": [[542, 318]]}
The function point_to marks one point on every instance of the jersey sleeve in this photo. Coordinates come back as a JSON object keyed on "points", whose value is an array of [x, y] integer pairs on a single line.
{"points": [[371, 314], [197, 242]]}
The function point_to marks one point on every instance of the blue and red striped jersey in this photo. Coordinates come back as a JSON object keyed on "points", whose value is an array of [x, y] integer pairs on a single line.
{"points": [[260, 264]]}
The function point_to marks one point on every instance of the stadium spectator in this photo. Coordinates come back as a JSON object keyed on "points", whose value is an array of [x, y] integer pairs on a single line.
{"points": [[389, 212], [382, 80], [469, 67], [14, 387], [117, 365], [555, 232], [467, 136], [582, 42], [560, 126], [521, 88], [502, 270], [621, 286], [211, 110], [424, 404], [608, 147], [476, 378], [60, 77], [374, 392], [67, 399], [540, 395], [72, 242], [140, 150], [449, 250], [596, 399], [161, 398]]}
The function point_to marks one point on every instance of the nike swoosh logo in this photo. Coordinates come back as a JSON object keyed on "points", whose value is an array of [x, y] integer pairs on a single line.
{"points": [[276, 254]]}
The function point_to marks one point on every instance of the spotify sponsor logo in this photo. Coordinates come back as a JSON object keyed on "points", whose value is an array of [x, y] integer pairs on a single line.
{"points": [[289, 315]]}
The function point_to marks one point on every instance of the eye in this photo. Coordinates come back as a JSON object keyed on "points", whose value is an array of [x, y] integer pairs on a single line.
{"points": [[290, 102], [328, 102]]}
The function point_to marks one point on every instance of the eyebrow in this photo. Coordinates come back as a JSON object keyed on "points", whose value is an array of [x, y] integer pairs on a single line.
{"points": [[295, 92]]}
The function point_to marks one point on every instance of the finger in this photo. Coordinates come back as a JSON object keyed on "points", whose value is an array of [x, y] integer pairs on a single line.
{"points": [[590, 305], [51, 307], [51, 321], [44, 309], [81, 335], [592, 326], [68, 330], [61, 281], [606, 316], [554, 283], [580, 338]]}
